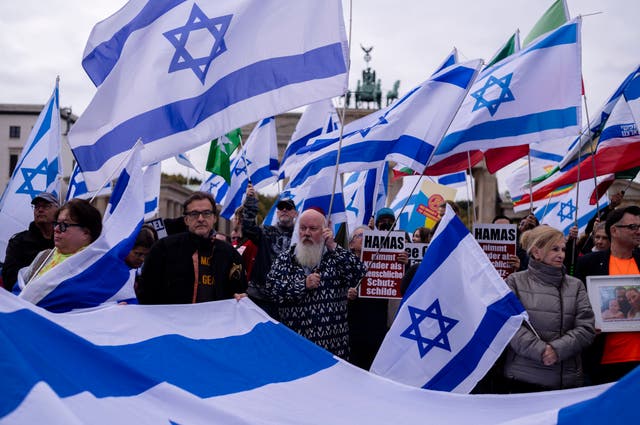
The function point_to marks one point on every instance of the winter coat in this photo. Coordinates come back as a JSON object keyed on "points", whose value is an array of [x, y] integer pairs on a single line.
{"points": [[560, 312], [21, 250]]}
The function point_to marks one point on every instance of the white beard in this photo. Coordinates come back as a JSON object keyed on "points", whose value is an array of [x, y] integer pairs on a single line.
{"points": [[309, 255]]}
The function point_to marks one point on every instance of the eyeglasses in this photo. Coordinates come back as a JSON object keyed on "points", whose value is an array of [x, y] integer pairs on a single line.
{"points": [[41, 206], [357, 236], [285, 208], [632, 227], [196, 214], [64, 226]]}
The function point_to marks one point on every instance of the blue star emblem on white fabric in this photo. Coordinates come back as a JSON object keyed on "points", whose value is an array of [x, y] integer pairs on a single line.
{"points": [[492, 102], [445, 324], [29, 174], [204, 31], [381, 121], [567, 210]]}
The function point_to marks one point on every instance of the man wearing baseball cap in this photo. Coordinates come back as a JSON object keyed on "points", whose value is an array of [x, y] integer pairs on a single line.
{"points": [[24, 246]]}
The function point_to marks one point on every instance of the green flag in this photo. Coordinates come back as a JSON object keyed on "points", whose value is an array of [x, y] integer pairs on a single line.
{"points": [[554, 17], [511, 46], [219, 153]]}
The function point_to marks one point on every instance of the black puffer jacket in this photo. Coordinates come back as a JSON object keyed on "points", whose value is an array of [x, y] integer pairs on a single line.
{"points": [[560, 312]]}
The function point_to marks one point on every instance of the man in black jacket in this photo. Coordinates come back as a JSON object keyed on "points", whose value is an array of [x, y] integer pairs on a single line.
{"points": [[24, 246], [192, 266]]}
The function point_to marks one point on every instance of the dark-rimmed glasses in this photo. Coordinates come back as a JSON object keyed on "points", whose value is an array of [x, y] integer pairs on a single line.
{"points": [[64, 226], [196, 214], [632, 227]]}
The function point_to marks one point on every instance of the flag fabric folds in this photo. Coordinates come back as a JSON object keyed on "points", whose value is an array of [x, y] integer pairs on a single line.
{"points": [[151, 181], [557, 14], [560, 212], [455, 319], [406, 131], [221, 362], [202, 69], [365, 192], [533, 95], [319, 118], [78, 188], [261, 154], [97, 274], [38, 170]]}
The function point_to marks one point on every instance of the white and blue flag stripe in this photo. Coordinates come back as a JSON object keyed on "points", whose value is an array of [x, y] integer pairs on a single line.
{"points": [[258, 59], [455, 319], [221, 362], [97, 274]]}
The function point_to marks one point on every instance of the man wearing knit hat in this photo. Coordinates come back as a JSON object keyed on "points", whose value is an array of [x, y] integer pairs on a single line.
{"points": [[24, 246]]}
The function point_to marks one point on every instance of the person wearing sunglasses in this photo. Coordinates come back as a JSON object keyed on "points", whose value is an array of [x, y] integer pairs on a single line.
{"points": [[76, 224], [192, 266], [614, 354], [24, 246]]}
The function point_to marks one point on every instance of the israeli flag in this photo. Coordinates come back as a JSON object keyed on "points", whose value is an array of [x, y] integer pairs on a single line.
{"points": [[202, 69], [183, 159], [562, 212], [97, 274], [216, 186], [632, 95], [365, 192], [238, 188], [227, 362], [261, 154], [319, 118], [78, 188], [406, 132], [532, 95], [455, 319], [38, 170], [151, 181]]}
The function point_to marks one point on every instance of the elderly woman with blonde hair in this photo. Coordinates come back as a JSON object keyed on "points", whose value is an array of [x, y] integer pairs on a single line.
{"points": [[545, 352]]}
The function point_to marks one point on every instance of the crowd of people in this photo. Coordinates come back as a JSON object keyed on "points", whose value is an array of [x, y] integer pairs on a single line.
{"points": [[298, 274]]}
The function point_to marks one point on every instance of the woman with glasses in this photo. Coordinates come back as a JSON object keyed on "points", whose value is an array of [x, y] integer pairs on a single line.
{"points": [[76, 224]]}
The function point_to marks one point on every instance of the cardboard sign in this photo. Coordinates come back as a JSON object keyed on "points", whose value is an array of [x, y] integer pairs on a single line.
{"points": [[384, 273], [498, 241], [415, 251]]}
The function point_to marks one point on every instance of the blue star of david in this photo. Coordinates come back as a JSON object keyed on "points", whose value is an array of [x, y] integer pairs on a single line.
{"points": [[381, 121], [214, 185], [504, 96], [444, 323], [29, 174], [178, 37], [350, 207], [566, 211]]}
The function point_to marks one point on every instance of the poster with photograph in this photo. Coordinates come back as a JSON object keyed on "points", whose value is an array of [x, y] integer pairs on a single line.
{"points": [[616, 302]]}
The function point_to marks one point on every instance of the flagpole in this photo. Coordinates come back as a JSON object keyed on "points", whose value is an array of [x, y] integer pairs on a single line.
{"points": [[593, 159], [60, 164], [530, 182], [342, 114], [473, 194]]}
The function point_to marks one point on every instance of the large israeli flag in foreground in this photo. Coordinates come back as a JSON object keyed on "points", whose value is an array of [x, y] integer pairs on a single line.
{"points": [[38, 170], [406, 132], [455, 319], [178, 73], [227, 362], [531, 96], [97, 274]]}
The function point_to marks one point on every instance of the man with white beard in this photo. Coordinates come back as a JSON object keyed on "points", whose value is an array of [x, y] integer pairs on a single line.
{"points": [[309, 282]]}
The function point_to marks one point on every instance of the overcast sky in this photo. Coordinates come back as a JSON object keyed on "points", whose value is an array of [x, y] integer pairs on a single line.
{"points": [[40, 39]]}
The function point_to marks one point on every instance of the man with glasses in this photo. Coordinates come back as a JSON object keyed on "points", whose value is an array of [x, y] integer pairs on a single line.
{"points": [[618, 352], [192, 266], [24, 246], [270, 240]]}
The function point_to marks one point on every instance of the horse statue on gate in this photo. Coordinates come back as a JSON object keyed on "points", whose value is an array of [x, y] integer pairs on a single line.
{"points": [[393, 93], [369, 89]]}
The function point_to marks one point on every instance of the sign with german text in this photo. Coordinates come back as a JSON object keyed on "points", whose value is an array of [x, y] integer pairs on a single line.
{"points": [[384, 273], [498, 241]]}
